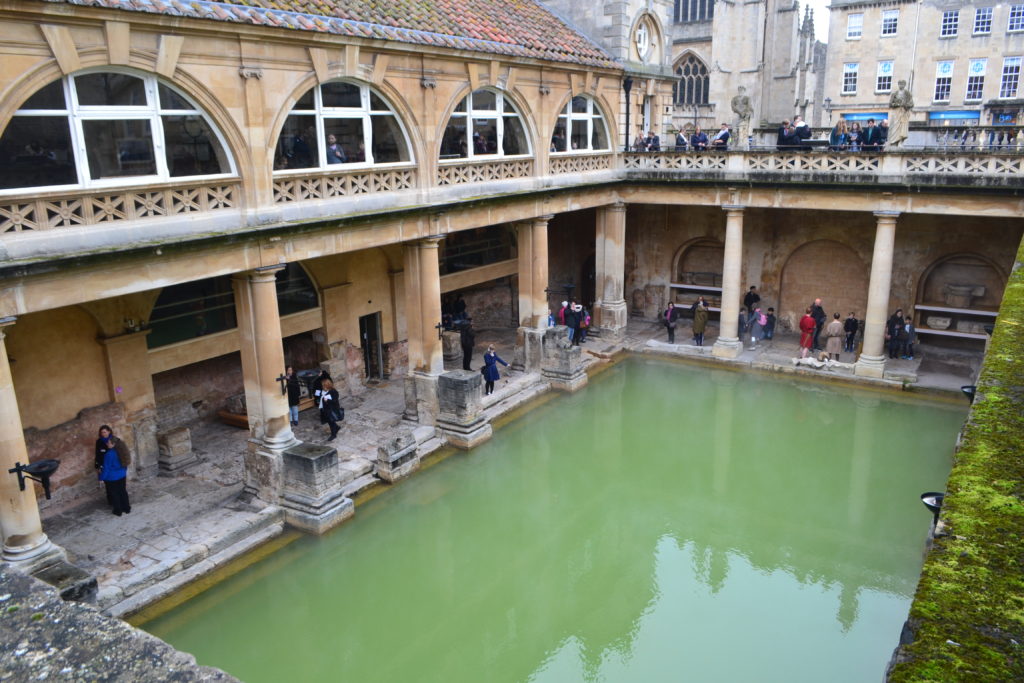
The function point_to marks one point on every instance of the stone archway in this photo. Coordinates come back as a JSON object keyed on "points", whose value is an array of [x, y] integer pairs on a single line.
{"points": [[824, 269], [964, 270]]}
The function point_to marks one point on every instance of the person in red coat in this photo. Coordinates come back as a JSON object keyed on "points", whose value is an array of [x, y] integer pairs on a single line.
{"points": [[808, 325]]}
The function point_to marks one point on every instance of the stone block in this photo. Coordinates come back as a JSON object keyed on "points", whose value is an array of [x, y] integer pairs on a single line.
{"points": [[311, 492], [529, 349], [397, 457], [451, 346], [562, 365], [460, 417], [421, 398], [175, 451]]}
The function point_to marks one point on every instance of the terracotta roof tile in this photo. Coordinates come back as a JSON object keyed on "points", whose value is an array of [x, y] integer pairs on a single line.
{"points": [[521, 28]]}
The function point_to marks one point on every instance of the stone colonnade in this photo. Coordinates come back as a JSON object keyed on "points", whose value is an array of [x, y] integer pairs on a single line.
{"points": [[272, 442]]}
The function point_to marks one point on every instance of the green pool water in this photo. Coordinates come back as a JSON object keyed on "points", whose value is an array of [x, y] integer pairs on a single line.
{"points": [[668, 523]]}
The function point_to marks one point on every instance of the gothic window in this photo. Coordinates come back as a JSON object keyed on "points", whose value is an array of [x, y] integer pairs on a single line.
{"points": [[693, 84], [693, 10], [100, 128], [485, 124], [341, 124], [580, 127]]}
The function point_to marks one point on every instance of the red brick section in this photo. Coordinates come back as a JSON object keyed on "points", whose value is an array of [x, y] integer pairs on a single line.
{"points": [[512, 27]]}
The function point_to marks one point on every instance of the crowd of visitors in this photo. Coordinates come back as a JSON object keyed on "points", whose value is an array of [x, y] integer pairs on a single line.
{"points": [[577, 318]]}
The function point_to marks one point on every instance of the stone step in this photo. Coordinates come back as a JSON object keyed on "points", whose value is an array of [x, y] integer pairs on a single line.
{"points": [[363, 483], [353, 468], [178, 567]]}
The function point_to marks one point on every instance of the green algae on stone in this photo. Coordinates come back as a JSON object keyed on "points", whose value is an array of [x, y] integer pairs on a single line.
{"points": [[967, 619]]}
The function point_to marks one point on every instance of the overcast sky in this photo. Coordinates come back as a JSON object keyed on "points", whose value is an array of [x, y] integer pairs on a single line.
{"points": [[820, 8]]}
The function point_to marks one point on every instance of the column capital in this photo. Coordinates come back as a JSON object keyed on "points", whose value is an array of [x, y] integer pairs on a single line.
{"points": [[6, 322], [893, 215], [615, 206], [546, 218], [428, 242], [731, 208]]}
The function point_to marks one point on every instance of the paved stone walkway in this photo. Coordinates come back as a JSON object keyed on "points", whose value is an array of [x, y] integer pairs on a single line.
{"points": [[183, 527]]}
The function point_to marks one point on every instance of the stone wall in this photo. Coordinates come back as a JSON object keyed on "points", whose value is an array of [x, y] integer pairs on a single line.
{"points": [[494, 304], [570, 244], [74, 444], [196, 392]]}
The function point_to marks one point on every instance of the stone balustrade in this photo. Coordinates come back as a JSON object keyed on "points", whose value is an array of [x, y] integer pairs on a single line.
{"points": [[329, 184]]}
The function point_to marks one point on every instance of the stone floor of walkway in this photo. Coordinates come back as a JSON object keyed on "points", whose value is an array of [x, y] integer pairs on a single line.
{"points": [[185, 526]]}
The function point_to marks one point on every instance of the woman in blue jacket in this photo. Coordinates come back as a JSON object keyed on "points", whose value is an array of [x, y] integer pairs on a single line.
{"points": [[491, 374], [112, 460]]}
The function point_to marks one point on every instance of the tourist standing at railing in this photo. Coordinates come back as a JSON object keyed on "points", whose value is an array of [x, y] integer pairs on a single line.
{"points": [[839, 139], [721, 140], [784, 139], [883, 129], [801, 132], [680, 142], [638, 141], [652, 143], [872, 137], [699, 140], [856, 137]]}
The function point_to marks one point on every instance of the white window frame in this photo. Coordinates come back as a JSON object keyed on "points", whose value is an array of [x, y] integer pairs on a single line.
{"points": [[1015, 22], [152, 111], [975, 79], [850, 69], [982, 21], [883, 73], [363, 113], [498, 113], [943, 81], [592, 116], [950, 26], [1010, 72], [890, 18], [854, 28]]}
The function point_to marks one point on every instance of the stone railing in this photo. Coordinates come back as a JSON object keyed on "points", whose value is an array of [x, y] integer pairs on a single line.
{"points": [[459, 172], [55, 211], [581, 163], [324, 185], [908, 167]]}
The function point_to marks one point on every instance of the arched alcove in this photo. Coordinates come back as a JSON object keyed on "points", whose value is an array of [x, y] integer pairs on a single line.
{"points": [[825, 269], [962, 270], [699, 263]]}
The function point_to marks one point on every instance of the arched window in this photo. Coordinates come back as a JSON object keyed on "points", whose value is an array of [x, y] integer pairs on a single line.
{"points": [[694, 10], [97, 129], [580, 127], [692, 87], [484, 124], [196, 309], [341, 123]]}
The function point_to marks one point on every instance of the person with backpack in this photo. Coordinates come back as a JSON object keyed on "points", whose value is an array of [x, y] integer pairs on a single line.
{"points": [[584, 324]]}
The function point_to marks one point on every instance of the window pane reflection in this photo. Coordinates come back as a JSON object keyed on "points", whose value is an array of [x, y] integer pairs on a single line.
{"points": [[558, 138], [119, 148], [36, 151], [388, 140], [110, 90], [348, 146], [485, 136], [191, 147], [50, 97], [453, 144], [297, 145], [515, 136]]}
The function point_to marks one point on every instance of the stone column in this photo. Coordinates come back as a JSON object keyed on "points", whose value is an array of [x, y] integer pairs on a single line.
{"points": [[423, 313], [533, 296], [610, 264], [259, 331], [872, 358], [728, 344], [24, 542], [131, 383]]}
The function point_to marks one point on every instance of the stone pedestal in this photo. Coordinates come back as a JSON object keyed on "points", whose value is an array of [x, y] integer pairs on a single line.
{"points": [[397, 457], [727, 348], [421, 398], [461, 418], [613, 316], [451, 345], [529, 350], [563, 363], [175, 451], [870, 366], [311, 488]]}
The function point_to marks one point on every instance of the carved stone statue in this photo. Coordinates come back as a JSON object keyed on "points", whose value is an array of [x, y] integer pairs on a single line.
{"points": [[744, 110], [900, 104]]}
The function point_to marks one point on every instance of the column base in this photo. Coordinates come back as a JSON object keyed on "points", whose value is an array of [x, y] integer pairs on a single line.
{"points": [[397, 458], [311, 496], [563, 366], [466, 436], [614, 315], [870, 366], [32, 558], [727, 348], [461, 417], [529, 349]]}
